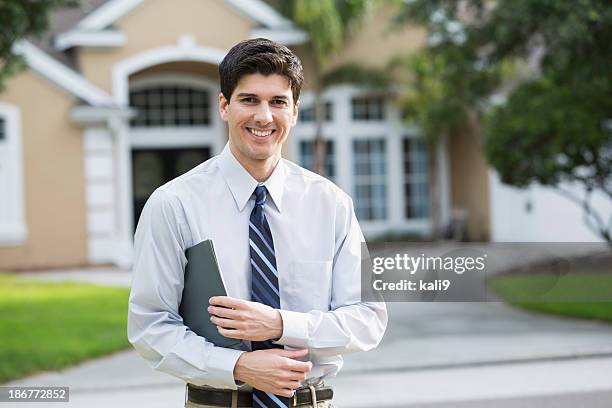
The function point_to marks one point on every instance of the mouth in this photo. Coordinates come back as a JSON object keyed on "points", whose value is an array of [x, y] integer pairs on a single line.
{"points": [[260, 134]]}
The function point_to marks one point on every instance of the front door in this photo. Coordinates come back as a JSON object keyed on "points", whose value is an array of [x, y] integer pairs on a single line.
{"points": [[153, 167]]}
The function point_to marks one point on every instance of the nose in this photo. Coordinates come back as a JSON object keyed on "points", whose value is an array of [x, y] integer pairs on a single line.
{"points": [[263, 114]]}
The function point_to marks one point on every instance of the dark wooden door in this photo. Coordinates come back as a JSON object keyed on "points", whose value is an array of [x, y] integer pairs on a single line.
{"points": [[153, 167]]}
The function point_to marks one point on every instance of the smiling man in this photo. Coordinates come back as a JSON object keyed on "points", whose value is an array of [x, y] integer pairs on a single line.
{"points": [[288, 245]]}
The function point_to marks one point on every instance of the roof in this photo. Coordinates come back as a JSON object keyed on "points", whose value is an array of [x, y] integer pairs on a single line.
{"points": [[90, 24], [63, 20]]}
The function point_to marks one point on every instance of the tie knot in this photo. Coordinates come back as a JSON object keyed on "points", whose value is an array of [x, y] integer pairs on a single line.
{"points": [[260, 195]]}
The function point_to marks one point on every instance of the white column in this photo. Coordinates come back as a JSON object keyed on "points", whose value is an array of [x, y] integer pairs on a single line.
{"points": [[444, 182], [124, 221], [344, 159], [395, 185], [100, 195]]}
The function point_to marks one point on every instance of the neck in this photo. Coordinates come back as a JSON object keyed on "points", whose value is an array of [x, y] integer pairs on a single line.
{"points": [[260, 170]]}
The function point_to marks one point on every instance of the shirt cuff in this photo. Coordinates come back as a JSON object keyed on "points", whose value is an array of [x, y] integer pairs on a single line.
{"points": [[221, 367], [295, 329]]}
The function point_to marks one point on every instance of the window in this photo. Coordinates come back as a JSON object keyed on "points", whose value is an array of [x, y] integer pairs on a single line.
{"points": [[368, 108], [13, 229], [416, 180], [369, 168], [307, 113], [171, 106], [307, 157]]}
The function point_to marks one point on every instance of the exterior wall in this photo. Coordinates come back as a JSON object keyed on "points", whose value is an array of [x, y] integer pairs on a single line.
{"points": [[207, 21], [373, 43], [376, 41], [470, 183], [53, 177], [540, 214]]}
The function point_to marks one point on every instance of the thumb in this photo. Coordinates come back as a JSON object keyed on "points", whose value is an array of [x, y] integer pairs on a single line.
{"points": [[293, 353]]}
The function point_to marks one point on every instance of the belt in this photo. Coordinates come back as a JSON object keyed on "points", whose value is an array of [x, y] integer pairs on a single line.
{"points": [[223, 398]]}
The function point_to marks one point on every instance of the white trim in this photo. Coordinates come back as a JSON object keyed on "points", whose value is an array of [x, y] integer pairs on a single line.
{"points": [[13, 230], [211, 135], [444, 181], [61, 75], [127, 138], [343, 130], [287, 36], [175, 137], [112, 11], [261, 13], [123, 69], [107, 14], [80, 38], [95, 114], [193, 81]]}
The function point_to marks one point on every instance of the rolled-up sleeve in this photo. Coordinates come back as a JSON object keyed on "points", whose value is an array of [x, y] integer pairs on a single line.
{"points": [[155, 328], [351, 324]]}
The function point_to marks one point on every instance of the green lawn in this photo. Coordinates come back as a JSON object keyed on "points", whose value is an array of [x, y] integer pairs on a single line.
{"points": [[582, 295], [48, 326]]}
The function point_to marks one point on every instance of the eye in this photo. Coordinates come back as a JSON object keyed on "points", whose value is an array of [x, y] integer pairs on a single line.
{"points": [[279, 102], [249, 100]]}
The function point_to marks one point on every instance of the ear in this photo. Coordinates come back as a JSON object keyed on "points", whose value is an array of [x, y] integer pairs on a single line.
{"points": [[223, 107], [295, 113]]}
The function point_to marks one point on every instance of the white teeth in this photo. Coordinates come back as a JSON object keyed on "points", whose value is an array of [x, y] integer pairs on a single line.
{"points": [[260, 133]]}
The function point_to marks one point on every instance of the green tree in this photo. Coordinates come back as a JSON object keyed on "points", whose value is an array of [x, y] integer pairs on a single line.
{"points": [[328, 24], [535, 74], [20, 19]]}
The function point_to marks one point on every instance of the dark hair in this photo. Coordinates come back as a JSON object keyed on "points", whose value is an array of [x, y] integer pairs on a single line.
{"points": [[260, 55]]}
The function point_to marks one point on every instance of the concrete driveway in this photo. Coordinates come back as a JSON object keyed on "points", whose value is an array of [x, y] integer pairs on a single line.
{"points": [[442, 355]]}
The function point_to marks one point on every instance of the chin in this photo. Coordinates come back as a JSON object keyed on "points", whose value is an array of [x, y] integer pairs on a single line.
{"points": [[259, 153]]}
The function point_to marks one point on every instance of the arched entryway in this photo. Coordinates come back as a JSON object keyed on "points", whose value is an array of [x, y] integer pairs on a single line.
{"points": [[176, 126]]}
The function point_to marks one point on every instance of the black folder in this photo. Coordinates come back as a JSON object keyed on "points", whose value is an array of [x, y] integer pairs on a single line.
{"points": [[202, 281]]}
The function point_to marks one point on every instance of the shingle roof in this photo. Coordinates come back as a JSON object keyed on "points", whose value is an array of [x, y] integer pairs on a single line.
{"points": [[62, 20]]}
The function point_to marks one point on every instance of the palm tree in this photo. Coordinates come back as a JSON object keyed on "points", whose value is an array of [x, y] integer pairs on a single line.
{"points": [[328, 24]]}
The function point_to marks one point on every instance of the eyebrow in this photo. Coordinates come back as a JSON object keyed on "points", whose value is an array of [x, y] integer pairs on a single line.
{"points": [[252, 95]]}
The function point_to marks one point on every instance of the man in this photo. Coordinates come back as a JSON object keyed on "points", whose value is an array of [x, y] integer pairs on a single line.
{"points": [[288, 245]]}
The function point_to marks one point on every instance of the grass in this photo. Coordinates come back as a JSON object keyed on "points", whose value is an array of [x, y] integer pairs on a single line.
{"points": [[582, 295], [49, 326]]}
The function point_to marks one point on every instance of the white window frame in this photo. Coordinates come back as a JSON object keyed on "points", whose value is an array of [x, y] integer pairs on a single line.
{"points": [[415, 179], [334, 161], [180, 136], [13, 230], [373, 179]]}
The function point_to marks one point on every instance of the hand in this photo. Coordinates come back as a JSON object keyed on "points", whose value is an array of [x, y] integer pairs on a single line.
{"points": [[241, 319], [273, 370]]}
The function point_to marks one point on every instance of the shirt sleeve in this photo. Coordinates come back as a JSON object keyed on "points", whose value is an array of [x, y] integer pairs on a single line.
{"points": [[351, 324], [155, 328]]}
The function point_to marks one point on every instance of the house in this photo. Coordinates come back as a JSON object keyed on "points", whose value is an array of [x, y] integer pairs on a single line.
{"points": [[120, 96]]}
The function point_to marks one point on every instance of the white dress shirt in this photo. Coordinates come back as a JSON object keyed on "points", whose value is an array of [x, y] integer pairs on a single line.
{"points": [[317, 242]]}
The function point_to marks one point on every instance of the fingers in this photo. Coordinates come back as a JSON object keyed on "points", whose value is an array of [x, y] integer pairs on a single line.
{"points": [[299, 366], [284, 392], [293, 353], [227, 323], [228, 302], [230, 333], [225, 312]]}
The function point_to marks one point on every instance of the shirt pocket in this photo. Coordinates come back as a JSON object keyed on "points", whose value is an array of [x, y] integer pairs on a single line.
{"points": [[309, 285]]}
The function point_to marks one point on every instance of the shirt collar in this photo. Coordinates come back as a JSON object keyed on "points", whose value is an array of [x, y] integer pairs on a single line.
{"points": [[242, 184]]}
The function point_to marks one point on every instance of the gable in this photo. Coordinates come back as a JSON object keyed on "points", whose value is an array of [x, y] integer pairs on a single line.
{"points": [[162, 23]]}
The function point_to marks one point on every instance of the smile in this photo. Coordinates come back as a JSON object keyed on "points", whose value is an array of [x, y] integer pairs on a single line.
{"points": [[260, 133]]}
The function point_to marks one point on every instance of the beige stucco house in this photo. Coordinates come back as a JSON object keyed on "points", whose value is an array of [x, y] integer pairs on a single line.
{"points": [[121, 96]]}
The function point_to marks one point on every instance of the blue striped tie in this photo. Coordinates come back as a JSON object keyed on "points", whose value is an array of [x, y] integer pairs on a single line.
{"points": [[264, 284]]}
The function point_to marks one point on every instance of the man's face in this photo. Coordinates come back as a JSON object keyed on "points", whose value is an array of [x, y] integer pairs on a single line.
{"points": [[260, 114]]}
